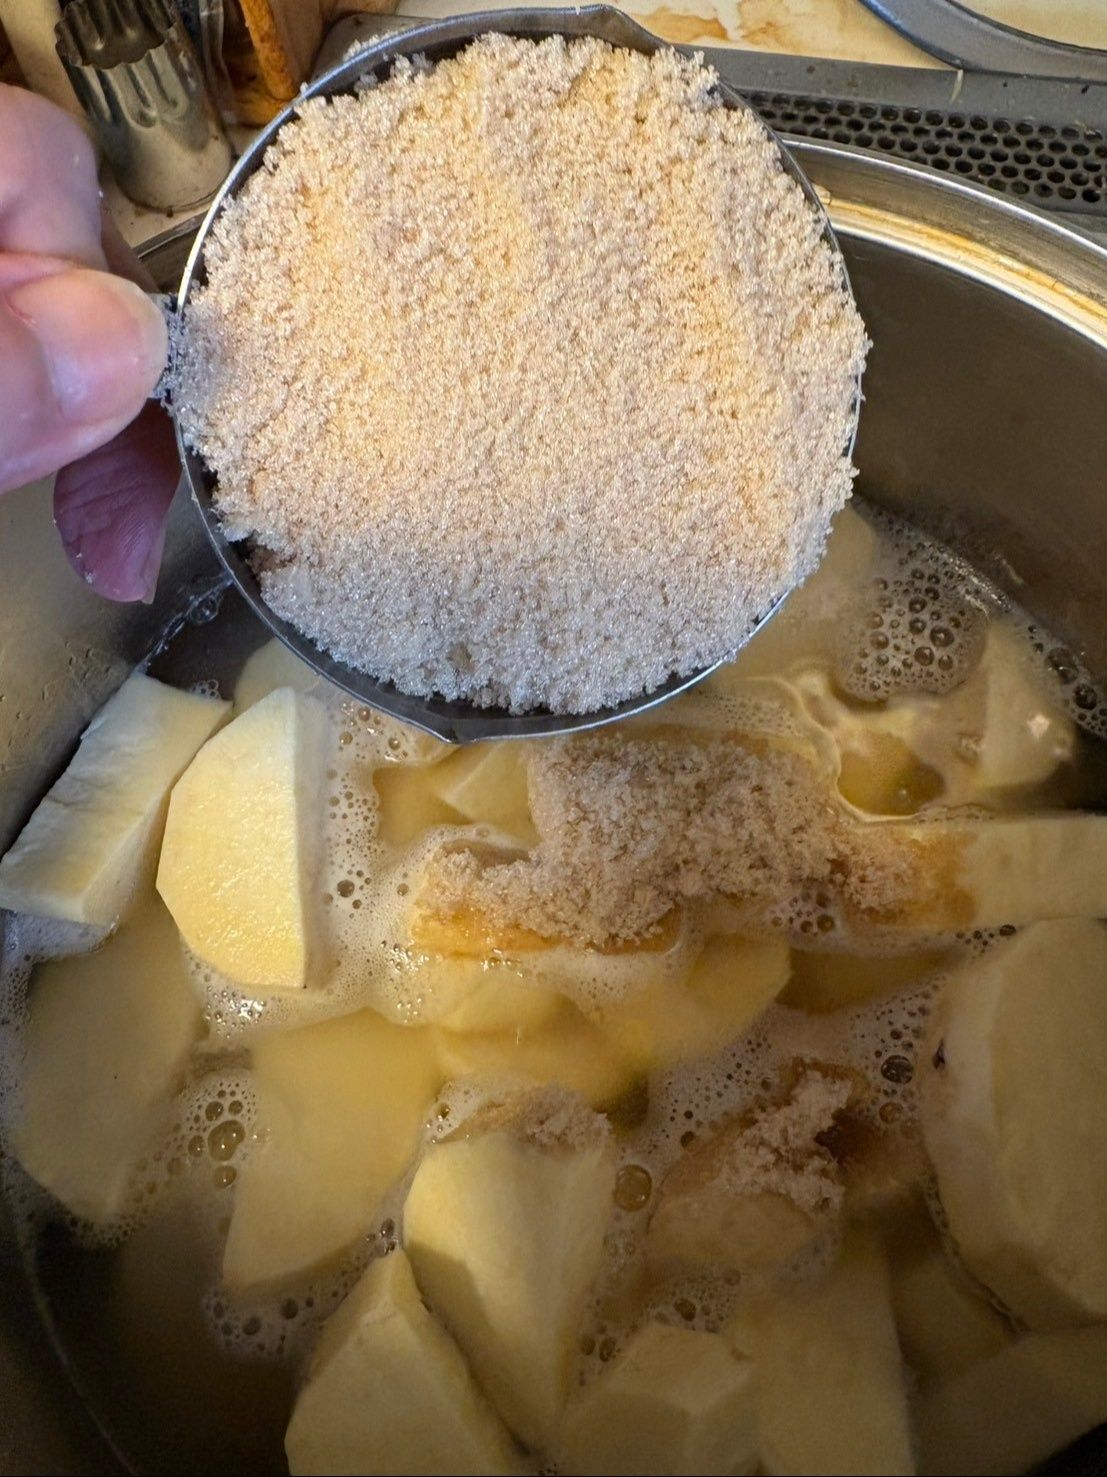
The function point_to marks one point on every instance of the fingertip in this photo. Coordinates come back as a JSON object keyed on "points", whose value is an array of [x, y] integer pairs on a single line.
{"points": [[103, 342]]}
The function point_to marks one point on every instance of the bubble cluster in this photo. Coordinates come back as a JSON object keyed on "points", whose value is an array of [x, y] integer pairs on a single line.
{"points": [[1069, 681], [918, 627]]}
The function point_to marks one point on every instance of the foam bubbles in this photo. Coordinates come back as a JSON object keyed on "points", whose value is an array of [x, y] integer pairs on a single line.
{"points": [[1070, 683], [918, 626]]}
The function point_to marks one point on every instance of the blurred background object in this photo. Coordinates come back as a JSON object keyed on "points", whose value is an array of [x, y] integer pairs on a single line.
{"points": [[27, 52], [270, 47], [138, 78]]}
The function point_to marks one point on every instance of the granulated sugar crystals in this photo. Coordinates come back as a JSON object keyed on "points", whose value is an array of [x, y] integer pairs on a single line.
{"points": [[530, 374]]}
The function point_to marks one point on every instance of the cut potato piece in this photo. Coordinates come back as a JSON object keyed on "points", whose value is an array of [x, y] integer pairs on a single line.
{"points": [[505, 1231], [944, 1319], [242, 841], [410, 804], [500, 999], [739, 1234], [1012, 1411], [644, 970], [830, 1386], [107, 1043], [567, 1050], [758, 1191], [488, 782], [823, 982], [674, 1402], [91, 844], [340, 1108], [474, 996], [1008, 870], [272, 666], [388, 1391], [732, 982], [1013, 1107]]}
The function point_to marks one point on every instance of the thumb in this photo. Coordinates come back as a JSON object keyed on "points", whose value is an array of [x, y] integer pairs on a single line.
{"points": [[80, 351]]}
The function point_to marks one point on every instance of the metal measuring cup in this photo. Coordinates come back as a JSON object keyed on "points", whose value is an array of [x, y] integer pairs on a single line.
{"points": [[455, 722]]}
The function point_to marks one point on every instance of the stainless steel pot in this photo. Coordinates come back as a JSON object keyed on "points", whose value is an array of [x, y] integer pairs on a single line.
{"points": [[985, 419]]}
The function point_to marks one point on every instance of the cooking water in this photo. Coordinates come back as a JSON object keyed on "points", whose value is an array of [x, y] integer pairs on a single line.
{"points": [[882, 650]]}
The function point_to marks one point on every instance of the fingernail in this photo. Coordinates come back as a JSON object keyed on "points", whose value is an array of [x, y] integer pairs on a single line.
{"points": [[103, 341]]}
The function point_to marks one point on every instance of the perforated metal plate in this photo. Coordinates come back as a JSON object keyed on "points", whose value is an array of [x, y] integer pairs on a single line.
{"points": [[1059, 165]]}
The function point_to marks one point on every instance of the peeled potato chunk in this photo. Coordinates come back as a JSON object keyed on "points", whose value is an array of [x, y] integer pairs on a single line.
{"points": [[500, 999], [409, 803], [388, 1391], [242, 842], [1014, 1097], [505, 1232], [944, 1319], [272, 666], [830, 1387], [1007, 870], [564, 1049], [488, 782], [758, 1190], [675, 1401], [92, 842], [107, 1043], [476, 996], [340, 1108], [728, 986], [1015, 1409]]}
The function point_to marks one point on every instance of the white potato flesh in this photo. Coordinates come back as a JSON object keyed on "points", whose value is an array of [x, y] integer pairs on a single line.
{"points": [[831, 1392], [676, 1402], [87, 850], [1015, 1409], [1014, 1097], [271, 666], [488, 782], [107, 1043], [1005, 870], [506, 1236], [388, 1391], [340, 1109], [242, 843]]}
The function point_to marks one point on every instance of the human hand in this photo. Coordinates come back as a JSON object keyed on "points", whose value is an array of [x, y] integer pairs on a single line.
{"points": [[80, 350]]}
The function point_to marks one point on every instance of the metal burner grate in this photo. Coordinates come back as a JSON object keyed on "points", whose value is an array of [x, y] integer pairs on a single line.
{"points": [[1059, 165]]}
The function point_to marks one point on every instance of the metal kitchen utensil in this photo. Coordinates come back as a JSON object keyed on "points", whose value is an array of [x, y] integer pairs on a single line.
{"points": [[134, 70], [455, 722], [964, 38]]}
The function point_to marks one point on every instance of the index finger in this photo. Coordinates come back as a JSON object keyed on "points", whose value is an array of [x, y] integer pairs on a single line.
{"points": [[49, 193]]}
